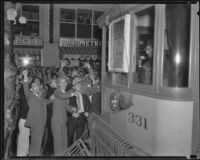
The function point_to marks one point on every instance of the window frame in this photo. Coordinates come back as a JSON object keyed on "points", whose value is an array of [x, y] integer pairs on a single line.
{"points": [[76, 22], [31, 20], [156, 90], [178, 92], [141, 87], [61, 22], [126, 48]]}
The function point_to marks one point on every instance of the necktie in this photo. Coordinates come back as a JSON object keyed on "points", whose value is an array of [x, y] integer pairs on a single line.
{"points": [[79, 103]]}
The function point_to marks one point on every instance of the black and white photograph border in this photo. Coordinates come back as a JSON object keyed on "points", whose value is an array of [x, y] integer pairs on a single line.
{"points": [[100, 79]]}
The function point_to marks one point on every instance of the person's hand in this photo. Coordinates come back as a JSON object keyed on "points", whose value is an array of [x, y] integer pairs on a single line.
{"points": [[75, 115], [73, 93], [92, 77], [86, 114], [25, 73], [73, 109], [86, 64], [52, 97], [63, 63]]}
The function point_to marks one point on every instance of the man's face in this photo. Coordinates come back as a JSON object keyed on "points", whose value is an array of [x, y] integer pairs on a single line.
{"points": [[77, 87], [77, 84], [54, 83], [62, 83], [149, 51], [35, 88], [37, 81]]}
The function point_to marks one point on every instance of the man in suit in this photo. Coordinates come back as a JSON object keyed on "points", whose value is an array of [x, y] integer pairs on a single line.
{"points": [[48, 144], [76, 120], [24, 132], [148, 64], [59, 117], [36, 117]]}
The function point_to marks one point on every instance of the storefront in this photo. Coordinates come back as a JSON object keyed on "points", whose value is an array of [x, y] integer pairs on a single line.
{"points": [[79, 49], [28, 51]]}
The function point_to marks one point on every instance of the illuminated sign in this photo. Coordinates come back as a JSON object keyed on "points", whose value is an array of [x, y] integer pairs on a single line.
{"points": [[67, 42], [28, 41]]}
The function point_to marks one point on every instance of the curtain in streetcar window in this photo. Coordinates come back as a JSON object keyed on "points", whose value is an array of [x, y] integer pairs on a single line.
{"points": [[144, 46], [176, 45], [107, 73]]}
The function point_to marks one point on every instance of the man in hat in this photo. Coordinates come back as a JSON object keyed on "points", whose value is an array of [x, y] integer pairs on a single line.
{"points": [[59, 117], [148, 64], [76, 121], [36, 117]]}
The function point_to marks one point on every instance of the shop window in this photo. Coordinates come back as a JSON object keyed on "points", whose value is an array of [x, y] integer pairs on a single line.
{"points": [[28, 60], [84, 23], [67, 15], [84, 31], [97, 32], [67, 23], [144, 46], [32, 27], [79, 23], [176, 46], [67, 30], [84, 16]]}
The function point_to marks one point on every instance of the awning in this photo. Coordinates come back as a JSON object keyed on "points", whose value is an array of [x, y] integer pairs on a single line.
{"points": [[80, 53]]}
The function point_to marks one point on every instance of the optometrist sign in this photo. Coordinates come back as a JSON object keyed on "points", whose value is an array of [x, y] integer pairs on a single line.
{"points": [[68, 42]]}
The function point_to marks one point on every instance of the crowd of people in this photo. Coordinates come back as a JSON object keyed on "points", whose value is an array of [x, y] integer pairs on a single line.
{"points": [[53, 106]]}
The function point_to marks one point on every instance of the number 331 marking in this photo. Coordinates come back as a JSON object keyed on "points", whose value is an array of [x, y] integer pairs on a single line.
{"points": [[138, 120]]}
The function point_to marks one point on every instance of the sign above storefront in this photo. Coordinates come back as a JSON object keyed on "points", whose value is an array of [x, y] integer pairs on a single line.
{"points": [[69, 42], [27, 41]]}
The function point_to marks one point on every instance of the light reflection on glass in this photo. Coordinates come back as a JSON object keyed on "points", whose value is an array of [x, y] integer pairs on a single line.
{"points": [[177, 58], [26, 61]]}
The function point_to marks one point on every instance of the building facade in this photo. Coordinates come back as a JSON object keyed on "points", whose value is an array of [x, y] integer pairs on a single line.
{"points": [[58, 31]]}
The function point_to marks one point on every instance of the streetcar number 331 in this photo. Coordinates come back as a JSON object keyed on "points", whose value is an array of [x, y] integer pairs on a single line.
{"points": [[137, 120]]}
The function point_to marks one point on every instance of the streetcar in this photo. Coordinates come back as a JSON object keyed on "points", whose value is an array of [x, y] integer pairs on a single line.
{"points": [[150, 76]]}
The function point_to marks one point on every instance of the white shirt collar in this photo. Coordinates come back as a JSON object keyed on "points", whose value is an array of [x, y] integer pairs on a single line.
{"points": [[62, 90]]}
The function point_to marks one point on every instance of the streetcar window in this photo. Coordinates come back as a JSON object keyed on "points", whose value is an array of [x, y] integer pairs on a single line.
{"points": [[144, 46], [176, 45]]}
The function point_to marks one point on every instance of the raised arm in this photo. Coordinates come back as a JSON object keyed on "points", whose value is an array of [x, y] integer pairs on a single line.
{"points": [[61, 72], [48, 101], [60, 95], [26, 82]]}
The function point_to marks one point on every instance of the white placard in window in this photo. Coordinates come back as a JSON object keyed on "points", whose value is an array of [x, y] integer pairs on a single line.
{"points": [[119, 44]]}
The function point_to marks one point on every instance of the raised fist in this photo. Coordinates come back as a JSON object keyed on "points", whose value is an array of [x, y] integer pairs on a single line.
{"points": [[86, 114], [63, 63], [86, 64]]}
